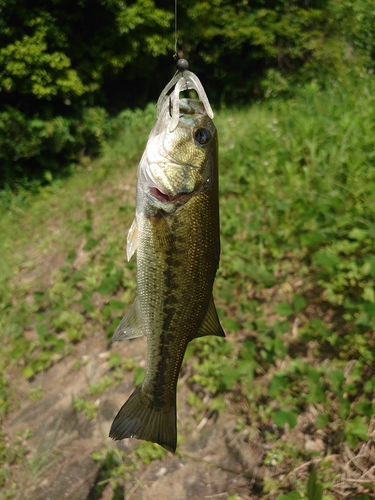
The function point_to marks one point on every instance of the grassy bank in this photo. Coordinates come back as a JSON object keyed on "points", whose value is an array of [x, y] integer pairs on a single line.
{"points": [[295, 289]]}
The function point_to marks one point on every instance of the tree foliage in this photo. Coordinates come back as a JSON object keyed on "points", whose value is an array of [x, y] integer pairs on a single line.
{"points": [[65, 65]]}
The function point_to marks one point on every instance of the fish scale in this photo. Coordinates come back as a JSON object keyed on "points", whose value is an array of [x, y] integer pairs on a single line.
{"points": [[175, 280], [176, 235]]}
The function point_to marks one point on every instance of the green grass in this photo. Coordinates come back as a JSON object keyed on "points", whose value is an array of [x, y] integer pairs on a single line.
{"points": [[295, 289]]}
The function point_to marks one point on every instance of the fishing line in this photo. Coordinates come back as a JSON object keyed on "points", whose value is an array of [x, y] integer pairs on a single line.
{"points": [[181, 64], [175, 30]]}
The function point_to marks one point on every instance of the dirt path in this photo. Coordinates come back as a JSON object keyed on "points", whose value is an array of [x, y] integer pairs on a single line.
{"points": [[63, 440]]}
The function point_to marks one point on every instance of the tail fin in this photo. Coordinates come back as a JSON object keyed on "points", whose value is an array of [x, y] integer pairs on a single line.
{"points": [[138, 419]]}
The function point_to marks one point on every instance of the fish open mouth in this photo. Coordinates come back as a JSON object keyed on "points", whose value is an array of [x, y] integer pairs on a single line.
{"points": [[156, 193], [165, 198]]}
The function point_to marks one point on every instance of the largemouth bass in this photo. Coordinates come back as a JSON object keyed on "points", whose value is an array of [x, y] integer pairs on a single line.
{"points": [[176, 235]]}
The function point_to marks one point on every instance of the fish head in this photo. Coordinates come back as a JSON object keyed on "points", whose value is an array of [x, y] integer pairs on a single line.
{"points": [[180, 155]]}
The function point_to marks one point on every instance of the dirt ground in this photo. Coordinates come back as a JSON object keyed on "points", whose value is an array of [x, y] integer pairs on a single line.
{"points": [[208, 464], [213, 461], [214, 458]]}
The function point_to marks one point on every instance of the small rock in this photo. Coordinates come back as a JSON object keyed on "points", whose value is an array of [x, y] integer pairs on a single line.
{"points": [[161, 472], [314, 445]]}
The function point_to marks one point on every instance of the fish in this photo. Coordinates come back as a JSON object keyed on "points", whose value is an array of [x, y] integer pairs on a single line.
{"points": [[176, 237]]}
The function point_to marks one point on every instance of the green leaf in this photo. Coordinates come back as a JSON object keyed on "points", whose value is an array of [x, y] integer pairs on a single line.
{"points": [[369, 266], [103, 383], [42, 331], [79, 275], [248, 350], [321, 421], [358, 234], [316, 393], [369, 386], [231, 325], [284, 309], [356, 429], [299, 302], [246, 370], [218, 404], [314, 489], [364, 408], [116, 305], [281, 418], [344, 409], [28, 372], [110, 284], [368, 308], [371, 231], [229, 378], [337, 378], [90, 244], [281, 327], [326, 260], [71, 256], [260, 275], [278, 383], [139, 375], [312, 239], [292, 495]]}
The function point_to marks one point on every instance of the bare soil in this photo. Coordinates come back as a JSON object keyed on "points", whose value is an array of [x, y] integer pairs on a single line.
{"points": [[207, 465], [212, 461]]}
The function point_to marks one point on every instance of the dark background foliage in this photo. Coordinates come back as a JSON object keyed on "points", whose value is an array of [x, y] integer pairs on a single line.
{"points": [[67, 67]]}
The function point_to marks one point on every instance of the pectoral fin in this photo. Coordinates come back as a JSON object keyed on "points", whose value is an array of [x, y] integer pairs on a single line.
{"points": [[132, 239], [210, 324], [131, 325], [161, 233]]}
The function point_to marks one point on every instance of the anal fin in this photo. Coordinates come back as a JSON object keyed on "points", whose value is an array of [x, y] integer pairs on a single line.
{"points": [[211, 323]]}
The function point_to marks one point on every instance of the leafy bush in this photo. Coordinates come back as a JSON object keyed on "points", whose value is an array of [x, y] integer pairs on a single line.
{"points": [[38, 149], [64, 66], [58, 66]]}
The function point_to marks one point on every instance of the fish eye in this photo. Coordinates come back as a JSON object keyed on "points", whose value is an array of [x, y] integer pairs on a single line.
{"points": [[202, 136]]}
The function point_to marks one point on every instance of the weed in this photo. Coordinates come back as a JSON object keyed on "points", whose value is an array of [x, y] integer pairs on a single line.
{"points": [[146, 452], [117, 467], [36, 393], [89, 408], [101, 386], [12, 455], [113, 468]]}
